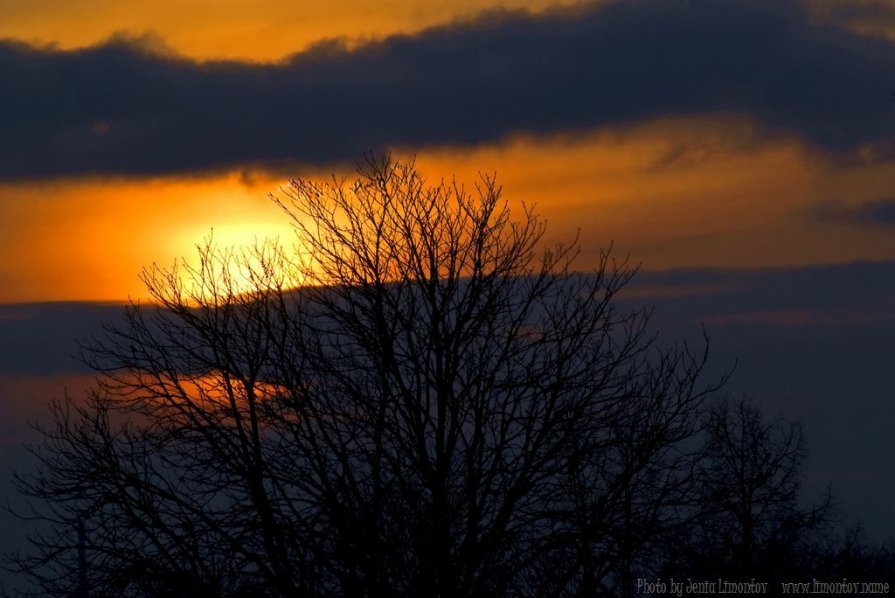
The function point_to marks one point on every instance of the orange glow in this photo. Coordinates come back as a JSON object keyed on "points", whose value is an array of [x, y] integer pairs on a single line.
{"points": [[868, 23], [676, 193], [236, 29], [233, 266], [698, 192], [265, 30], [215, 393], [89, 239]]}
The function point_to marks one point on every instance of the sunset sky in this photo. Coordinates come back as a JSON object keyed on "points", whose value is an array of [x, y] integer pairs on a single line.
{"points": [[742, 150], [692, 133]]}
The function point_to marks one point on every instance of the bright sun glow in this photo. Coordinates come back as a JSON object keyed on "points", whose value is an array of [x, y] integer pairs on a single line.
{"points": [[88, 239], [244, 259], [107, 231]]}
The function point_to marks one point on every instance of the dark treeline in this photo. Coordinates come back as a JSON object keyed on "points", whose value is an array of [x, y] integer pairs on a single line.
{"points": [[444, 408], [753, 521]]}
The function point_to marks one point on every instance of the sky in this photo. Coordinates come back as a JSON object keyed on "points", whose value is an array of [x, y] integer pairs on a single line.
{"points": [[742, 151], [692, 133]]}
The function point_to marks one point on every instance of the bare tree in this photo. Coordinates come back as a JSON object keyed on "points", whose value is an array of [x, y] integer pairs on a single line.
{"points": [[417, 398], [752, 521]]}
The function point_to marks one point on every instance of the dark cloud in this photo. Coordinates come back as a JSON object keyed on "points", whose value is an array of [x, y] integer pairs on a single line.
{"points": [[812, 342], [863, 291], [42, 338], [878, 11], [119, 108], [875, 213]]}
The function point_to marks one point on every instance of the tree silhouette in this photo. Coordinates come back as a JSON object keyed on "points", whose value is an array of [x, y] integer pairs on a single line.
{"points": [[751, 522], [850, 555], [417, 398]]}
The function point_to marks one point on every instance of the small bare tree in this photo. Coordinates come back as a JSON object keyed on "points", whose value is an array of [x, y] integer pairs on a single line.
{"points": [[416, 399], [751, 520]]}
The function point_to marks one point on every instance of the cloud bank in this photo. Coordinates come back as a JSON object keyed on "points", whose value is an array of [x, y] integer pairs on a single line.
{"points": [[120, 108], [875, 213]]}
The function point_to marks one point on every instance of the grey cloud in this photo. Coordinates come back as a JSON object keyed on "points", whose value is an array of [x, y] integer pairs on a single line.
{"points": [[119, 108], [878, 11], [814, 342], [875, 213], [42, 338]]}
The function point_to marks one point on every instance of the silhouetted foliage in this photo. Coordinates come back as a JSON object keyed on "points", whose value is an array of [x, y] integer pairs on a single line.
{"points": [[750, 522], [851, 556], [442, 407]]}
